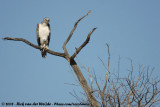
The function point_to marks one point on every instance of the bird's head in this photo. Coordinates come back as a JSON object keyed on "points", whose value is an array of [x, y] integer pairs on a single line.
{"points": [[46, 20]]}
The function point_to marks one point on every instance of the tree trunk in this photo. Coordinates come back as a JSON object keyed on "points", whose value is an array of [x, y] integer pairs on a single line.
{"points": [[83, 83]]}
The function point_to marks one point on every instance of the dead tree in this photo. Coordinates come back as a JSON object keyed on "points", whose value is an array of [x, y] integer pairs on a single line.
{"points": [[70, 59], [136, 90]]}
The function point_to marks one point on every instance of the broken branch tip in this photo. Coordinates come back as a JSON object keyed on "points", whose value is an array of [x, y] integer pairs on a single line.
{"points": [[89, 12], [4, 38]]}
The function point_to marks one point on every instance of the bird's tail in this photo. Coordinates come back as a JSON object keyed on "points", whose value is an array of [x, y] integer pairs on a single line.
{"points": [[44, 54]]}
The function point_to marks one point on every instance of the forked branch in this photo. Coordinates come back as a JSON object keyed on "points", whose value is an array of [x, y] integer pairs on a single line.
{"points": [[71, 33], [83, 45]]}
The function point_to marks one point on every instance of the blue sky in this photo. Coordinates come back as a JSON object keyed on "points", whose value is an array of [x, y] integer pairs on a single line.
{"points": [[131, 27]]}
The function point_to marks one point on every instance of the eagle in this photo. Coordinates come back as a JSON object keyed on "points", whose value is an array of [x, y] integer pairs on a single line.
{"points": [[43, 35]]}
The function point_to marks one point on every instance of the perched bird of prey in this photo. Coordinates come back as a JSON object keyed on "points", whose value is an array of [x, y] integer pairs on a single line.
{"points": [[43, 35]]}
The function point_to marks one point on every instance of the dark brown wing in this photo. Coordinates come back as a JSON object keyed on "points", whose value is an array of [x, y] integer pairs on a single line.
{"points": [[38, 38], [49, 34]]}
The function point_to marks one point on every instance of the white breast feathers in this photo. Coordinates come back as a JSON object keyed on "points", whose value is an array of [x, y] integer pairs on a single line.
{"points": [[43, 32]]}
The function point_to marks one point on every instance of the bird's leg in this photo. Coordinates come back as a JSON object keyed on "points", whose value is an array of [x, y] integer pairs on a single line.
{"points": [[46, 47], [42, 48]]}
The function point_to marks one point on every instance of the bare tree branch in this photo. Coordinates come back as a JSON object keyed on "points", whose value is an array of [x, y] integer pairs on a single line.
{"points": [[106, 79], [71, 33], [89, 73], [35, 46], [83, 45], [23, 40], [116, 94]]}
